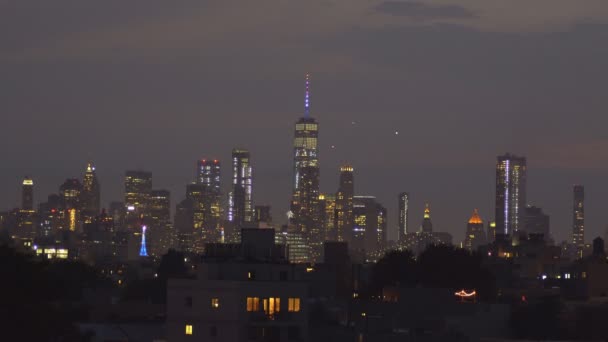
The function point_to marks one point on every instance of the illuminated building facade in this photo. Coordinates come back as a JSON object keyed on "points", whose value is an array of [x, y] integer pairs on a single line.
{"points": [[475, 235], [240, 199], [427, 224], [404, 199], [90, 194], [304, 203], [138, 186], [143, 252], [27, 194], [578, 217], [510, 193], [262, 214], [209, 177], [327, 216], [70, 192], [344, 205], [369, 225], [26, 216], [195, 198]]}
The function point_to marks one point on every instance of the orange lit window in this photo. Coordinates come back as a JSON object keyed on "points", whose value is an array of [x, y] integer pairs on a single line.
{"points": [[253, 304], [293, 305], [215, 303]]}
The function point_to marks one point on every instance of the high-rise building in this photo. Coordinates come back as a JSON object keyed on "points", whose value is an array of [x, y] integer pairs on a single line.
{"points": [[536, 222], [27, 194], [369, 228], [161, 235], [262, 214], [427, 224], [70, 192], [90, 194], [578, 217], [304, 203], [475, 235], [327, 213], [240, 203], [510, 193], [404, 199], [138, 186], [344, 205], [209, 177], [195, 195]]}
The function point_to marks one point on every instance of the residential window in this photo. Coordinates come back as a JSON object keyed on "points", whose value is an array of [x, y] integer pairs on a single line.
{"points": [[188, 329], [251, 275], [293, 305], [272, 305], [215, 303], [253, 304]]}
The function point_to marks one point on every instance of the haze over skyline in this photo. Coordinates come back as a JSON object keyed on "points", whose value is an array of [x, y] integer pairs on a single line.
{"points": [[156, 86]]}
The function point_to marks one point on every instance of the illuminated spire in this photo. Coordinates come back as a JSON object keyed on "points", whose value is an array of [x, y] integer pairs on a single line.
{"points": [[307, 97], [90, 167], [427, 211], [142, 251], [475, 218]]}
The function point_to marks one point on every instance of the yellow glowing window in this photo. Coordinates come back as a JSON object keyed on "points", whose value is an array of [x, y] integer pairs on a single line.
{"points": [[293, 305], [272, 305], [188, 329], [215, 303], [253, 304]]}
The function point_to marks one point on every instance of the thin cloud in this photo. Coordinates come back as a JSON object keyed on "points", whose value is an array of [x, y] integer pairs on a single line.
{"points": [[420, 11]]}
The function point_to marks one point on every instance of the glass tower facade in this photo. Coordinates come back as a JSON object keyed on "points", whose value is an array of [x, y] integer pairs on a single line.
{"points": [[404, 199], [510, 193], [240, 203], [578, 216]]}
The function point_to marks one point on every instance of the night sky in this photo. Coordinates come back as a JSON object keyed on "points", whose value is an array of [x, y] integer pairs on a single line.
{"points": [[156, 85]]}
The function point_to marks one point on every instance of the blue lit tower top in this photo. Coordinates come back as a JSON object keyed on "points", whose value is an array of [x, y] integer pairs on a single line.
{"points": [[142, 251]]}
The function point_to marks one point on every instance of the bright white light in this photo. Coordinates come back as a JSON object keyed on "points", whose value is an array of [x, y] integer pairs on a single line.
{"points": [[544, 276]]}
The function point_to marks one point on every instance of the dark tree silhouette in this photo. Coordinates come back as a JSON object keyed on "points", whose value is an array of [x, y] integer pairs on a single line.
{"points": [[396, 268]]}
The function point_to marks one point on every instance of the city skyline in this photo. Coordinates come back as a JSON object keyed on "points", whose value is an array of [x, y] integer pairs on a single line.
{"points": [[125, 95]]}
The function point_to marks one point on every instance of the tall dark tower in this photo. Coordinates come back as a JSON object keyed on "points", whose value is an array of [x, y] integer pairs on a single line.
{"points": [[510, 193], [578, 217], [404, 199], [305, 200], [27, 194], [344, 205], [90, 194], [240, 199]]}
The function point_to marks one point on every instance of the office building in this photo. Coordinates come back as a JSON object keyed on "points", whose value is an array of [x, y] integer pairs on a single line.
{"points": [[262, 215], [160, 234], [344, 205], [578, 218], [209, 177], [537, 222], [90, 195], [304, 203], [240, 198], [404, 199], [427, 224], [510, 193], [327, 216], [475, 235], [138, 186], [27, 194], [70, 192], [369, 225]]}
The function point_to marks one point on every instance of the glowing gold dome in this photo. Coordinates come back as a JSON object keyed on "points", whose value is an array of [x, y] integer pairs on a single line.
{"points": [[475, 218]]}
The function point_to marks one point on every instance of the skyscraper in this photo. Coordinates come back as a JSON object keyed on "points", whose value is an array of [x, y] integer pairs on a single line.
{"points": [[27, 194], [510, 193], [578, 217], [209, 177], [240, 203], [138, 186], [90, 194], [475, 235], [369, 224], [161, 234], [427, 224], [344, 205], [305, 199], [536, 222], [404, 199], [327, 213]]}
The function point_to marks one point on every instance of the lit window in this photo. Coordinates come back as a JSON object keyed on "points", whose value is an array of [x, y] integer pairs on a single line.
{"points": [[293, 305], [272, 305], [253, 304], [584, 275], [215, 303], [188, 329]]}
